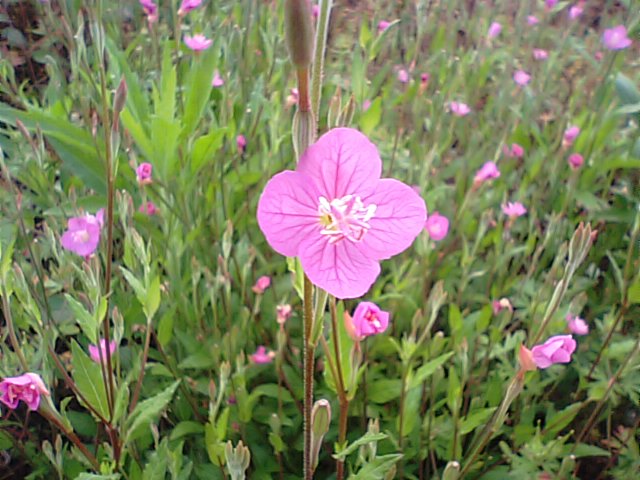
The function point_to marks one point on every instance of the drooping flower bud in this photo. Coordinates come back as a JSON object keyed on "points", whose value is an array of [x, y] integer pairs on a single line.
{"points": [[320, 422], [298, 28]]}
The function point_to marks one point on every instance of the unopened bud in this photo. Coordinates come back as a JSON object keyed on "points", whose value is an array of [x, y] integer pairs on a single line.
{"points": [[238, 460], [320, 422], [451, 471], [526, 359], [121, 96], [298, 29]]}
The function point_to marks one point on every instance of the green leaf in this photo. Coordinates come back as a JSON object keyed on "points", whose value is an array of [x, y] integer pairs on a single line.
{"points": [[627, 91], [426, 370], [475, 419], [93, 476], [186, 428], [385, 390], [152, 298], [88, 378], [634, 292], [370, 119], [560, 420], [198, 89], [86, 321], [147, 411], [378, 468], [584, 450], [363, 440]]}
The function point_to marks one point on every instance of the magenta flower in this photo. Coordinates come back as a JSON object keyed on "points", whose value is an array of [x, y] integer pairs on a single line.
{"points": [[383, 25], [616, 38], [262, 356], [403, 76], [424, 78], [503, 304], [241, 143], [368, 319], [197, 42], [315, 11], [83, 233], [575, 11], [515, 151], [513, 209], [283, 313], [437, 226], [540, 54], [575, 161], [556, 349], [262, 284], [337, 215], [150, 10], [488, 171], [551, 3], [217, 81], [532, 20], [459, 109], [494, 30], [149, 208], [570, 134], [521, 77], [143, 173], [577, 325], [187, 5], [94, 353], [27, 387]]}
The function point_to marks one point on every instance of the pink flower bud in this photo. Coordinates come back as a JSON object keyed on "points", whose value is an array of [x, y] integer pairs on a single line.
{"points": [[494, 30], [459, 109], [241, 142], [283, 313], [149, 208], [368, 319], [488, 171], [262, 284], [383, 25], [570, 134], [575, 161], [437, 226], [94, 353], [577, 325], [143, 173], [525, 356], [262, 356]]}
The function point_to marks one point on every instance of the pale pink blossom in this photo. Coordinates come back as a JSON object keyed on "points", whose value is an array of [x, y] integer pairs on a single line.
{"points": [[262, 356], [570, 134], [616, 38], [95, 353], [197, 42], [403, 76], [540, 54], [148, 208], [217, 81], [83, 233], [513, 209], [494, 30], [262, 284], [383, 25], [187, 5], [144, 172], [575, 11], [437, 226], [521, 77], [532, 20], [368, 319], [556, 349], [459, 109], [577, 325], [515, 150], [503, 304], [283, 313], [27, 388], [575, 161], [488, 171]]}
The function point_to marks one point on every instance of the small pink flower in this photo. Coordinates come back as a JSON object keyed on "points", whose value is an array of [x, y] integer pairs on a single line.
{"points": [[503, 304], [616, 38], [383, 25], [315, 11], [241, 143], [437, 226], [83, 233], [262, 356], [337, 215], [515, 151], [575, 161], [556, 349], [540, 54], [94, 353], [424, 78], [551, 3], [368, 319], [575, 11], [283, 313], [365, 105], [27, 387], [150, 10], [143, 173], [149, 208], [262, 284], [494, 30], [403, 76], [513, 210], [187, 5], [577, 325], [521, 77], [217, 81], [459, 109], [488, 171], [598, 56], [532, 20], [292, 98], [197, 42], [570, 134]]}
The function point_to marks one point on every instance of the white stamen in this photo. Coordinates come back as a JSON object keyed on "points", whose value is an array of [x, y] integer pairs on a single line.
{"points": [[345, 217]]}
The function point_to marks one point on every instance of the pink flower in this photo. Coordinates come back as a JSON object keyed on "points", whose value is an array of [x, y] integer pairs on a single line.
{"points": [[241, 143], [494, 30], [570, 134], [616, 38], [513, 210], [283, 313], [365, 105], [556, 349], [262, 356], [575, 161], [315, 11], [575, 11], [94, 353], [459, 109], [83, 233], [532, 20], [337, 215], [148, 208], [187, 5], [150, 10], [403, 76], [27, 387], [424, 78], [551, 3], [143, 173], [521, 77], [488, 171], [367, 320], [292, 98], [383, 25], [262, 284], [540, 54], [197, 42], [437, 226], [515, 151], [577, 325], [498, 305], [217, 81]]}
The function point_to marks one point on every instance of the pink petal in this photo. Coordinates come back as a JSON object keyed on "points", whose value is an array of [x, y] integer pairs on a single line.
{"points": [[399, 218], [288, 211], [342, 162], [341, 268]]}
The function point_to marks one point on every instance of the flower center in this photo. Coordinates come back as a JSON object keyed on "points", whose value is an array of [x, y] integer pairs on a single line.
{"points": [[81, 236], [345, 217], [373, 319]]}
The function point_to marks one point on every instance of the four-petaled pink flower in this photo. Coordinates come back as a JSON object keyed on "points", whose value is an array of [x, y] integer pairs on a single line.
{"points": [[575, 161], [197, 42], [437, 226], [494, 30], [521, 77], [83, 233], [262, 355], [532, 20], [262, 284], [187, 5], [488, 171], [459, 109], [577, 325], [143, 173], [616, 38], [383, 25], [540, 54], [283, 313], [513, 209], [337, 215], [27, 387], [217, 81], [368, 319], [556, 349], [241, 143], [95, 353], [570, 134], [148, 208]]}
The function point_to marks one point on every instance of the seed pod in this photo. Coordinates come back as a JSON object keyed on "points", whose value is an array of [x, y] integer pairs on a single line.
{"points": [[299, 32]]}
